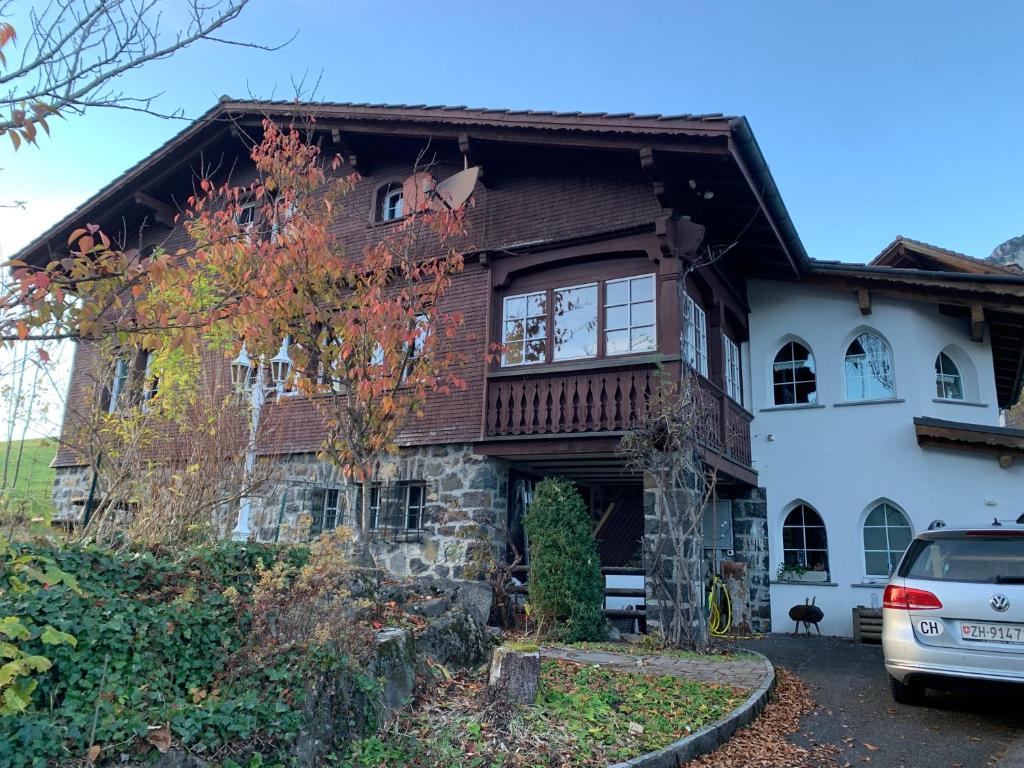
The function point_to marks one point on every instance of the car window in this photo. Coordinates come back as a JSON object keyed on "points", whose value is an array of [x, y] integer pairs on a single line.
{"points": [[965, 557]]}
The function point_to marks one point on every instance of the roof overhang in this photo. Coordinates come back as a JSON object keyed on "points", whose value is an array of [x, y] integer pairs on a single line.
{"points": [[1005, 443], [714, 148]]}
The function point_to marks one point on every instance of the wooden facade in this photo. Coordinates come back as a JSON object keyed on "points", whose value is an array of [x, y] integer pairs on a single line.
{"points": [[563, 199]]}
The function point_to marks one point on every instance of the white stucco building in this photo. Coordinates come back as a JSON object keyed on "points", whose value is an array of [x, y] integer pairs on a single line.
{"points": [[875, 414]]}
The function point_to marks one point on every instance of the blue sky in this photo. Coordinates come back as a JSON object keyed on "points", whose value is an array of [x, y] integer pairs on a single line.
{"points": [[877, 118]]}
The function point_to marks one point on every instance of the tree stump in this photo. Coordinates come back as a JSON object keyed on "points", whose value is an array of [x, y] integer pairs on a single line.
{"points": [[515, 674]]}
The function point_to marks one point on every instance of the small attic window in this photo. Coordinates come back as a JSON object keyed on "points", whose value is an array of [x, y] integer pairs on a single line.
{"points": [[391, 202]]}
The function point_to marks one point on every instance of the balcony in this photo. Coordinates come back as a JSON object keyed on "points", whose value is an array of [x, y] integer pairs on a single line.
{"points": [[604, 398]]}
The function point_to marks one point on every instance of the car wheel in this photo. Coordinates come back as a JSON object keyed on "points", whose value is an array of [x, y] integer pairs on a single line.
{"points": [[902, 693]]}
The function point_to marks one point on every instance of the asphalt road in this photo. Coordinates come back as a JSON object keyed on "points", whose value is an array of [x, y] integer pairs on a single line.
{"points": [[855, 710]]}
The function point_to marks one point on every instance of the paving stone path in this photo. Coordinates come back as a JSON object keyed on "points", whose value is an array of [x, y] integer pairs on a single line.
{"points": [[742, 672]]}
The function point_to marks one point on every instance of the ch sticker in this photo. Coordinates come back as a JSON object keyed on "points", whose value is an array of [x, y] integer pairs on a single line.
{"points": [[930, 627]]}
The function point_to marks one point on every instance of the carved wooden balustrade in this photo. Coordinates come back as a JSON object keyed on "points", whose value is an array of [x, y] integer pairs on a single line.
{"points": [[608, 399]]}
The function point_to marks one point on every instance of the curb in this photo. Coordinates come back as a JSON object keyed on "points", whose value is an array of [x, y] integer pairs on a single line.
{"points": [[712, 736]]}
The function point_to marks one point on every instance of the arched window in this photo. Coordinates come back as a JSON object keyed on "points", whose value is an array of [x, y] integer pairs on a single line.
{"points": [[804, 543], [869, 370], [391, 204], [949, 384], [887, 535], [793, 376]]}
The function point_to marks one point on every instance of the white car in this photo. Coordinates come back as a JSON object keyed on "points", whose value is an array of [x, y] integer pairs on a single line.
{"points": [[953, 612]]}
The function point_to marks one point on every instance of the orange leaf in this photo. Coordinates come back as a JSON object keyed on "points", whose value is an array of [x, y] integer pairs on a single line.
{"points": [[93, 754]]}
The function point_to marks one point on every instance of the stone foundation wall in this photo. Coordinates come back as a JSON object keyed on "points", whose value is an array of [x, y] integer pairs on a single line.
{"points": [[71, 484], [750, 538], [750, 532], [465, 507]]}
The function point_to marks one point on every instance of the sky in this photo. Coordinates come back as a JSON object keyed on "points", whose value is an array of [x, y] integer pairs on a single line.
{"points": [[877, 118]]}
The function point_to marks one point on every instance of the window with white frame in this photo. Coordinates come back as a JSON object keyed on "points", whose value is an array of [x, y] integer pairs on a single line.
{"points": [[629, 324], [949, 383], [524, 329], [392, 204], [415, 501], [150, 381], [794, 380], [575, 322], [119, 384], [733, 371], [695, 336], [247, 217], [325, 511], [804, 542], [396, 507], [868, 369], [887, 535]]}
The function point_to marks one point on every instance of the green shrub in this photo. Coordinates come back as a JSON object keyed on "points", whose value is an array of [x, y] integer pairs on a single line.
{"points": [[161, 639], [566, 585]]}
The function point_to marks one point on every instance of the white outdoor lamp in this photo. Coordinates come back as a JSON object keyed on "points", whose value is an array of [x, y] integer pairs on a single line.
{"points": [[281, 365], [240, 370]]}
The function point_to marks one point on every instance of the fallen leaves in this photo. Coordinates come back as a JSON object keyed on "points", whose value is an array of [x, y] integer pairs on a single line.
{"points": [[766, 744], [160, 736]]}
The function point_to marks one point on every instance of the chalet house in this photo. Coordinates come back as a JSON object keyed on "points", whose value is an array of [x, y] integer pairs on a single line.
{"points": [[854, 404]]}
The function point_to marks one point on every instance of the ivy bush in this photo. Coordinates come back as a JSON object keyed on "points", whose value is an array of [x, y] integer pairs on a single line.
{"points": [[566, 585], [163, 639]]}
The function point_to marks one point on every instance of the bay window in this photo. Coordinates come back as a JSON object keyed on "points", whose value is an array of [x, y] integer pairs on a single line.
{"points": [[733, 377], [604, 318], [629, 316], [695, 336]]}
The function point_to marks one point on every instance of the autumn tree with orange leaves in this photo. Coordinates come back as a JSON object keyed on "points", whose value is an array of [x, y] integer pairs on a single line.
{"points": [[365, 332]]}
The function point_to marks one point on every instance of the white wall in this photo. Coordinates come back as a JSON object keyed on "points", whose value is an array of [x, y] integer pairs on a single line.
{"points": [[843, 459]]}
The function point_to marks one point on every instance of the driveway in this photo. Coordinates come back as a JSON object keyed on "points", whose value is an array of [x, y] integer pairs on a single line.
{"points": [[856, 712]]}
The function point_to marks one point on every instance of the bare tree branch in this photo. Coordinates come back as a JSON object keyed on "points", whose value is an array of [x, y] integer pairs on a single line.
{"points": [[73, 52]]}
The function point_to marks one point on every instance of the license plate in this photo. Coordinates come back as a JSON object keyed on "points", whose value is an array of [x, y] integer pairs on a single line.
{"points": [[992, 633]]}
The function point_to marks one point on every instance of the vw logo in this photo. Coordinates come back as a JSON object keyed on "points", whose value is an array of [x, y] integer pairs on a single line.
{"points": [[999, 603]]}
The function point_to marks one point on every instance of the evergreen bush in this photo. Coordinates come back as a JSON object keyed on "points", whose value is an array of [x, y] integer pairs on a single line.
{"points": [[566, 585]]}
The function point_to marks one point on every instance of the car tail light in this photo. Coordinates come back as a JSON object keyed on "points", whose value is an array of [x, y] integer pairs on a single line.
{"points": [[909, 599]]}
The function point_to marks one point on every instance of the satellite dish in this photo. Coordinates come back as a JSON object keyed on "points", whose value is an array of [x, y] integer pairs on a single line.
{"points": [[455, 190]]}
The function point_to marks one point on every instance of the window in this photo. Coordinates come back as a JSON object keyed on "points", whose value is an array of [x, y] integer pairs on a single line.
{"points": [[150, 381], [524, 329], [886, 536], [391, 204], [629, 315], [695, 336], [563, 323], [868, 368], [733, 377], [119, 385], [794, 380], [415, 496], [575, 315], [949, 384], [247, 217], [397, 507], [283, 215], [325, 510], [804, 543]]}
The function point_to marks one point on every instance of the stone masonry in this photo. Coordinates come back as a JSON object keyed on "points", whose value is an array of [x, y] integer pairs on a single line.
{"points": [[464, 509], [750, 530]]}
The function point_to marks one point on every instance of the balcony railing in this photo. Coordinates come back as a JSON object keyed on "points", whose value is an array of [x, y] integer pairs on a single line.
{"points": [[610, 399], [604, 400]]}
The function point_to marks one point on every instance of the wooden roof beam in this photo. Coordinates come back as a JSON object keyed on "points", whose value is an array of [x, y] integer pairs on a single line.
{"points": [[347, 152], [162, 212], [471, 156], [977, 323], [864, 301]]}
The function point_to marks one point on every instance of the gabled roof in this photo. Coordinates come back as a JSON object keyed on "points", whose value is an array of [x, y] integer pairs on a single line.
{"points": [[914, 254], [730, 135]]}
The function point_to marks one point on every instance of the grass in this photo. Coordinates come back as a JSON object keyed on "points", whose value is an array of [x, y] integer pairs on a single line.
{"points": [[649, 649], [585, 716], [30, 481]]}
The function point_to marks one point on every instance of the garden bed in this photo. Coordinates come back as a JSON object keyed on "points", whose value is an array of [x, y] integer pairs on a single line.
{"points": [[585, 716]]}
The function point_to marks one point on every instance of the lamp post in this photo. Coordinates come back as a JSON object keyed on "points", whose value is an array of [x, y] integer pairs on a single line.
{"points": [[247, 378]]}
